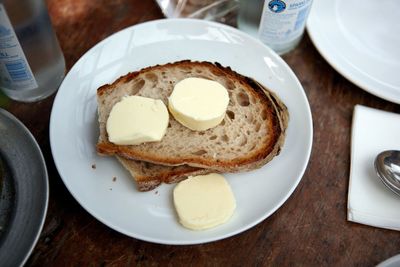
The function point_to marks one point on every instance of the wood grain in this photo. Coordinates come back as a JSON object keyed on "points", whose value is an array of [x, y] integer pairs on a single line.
{"points": [[310, 229]]}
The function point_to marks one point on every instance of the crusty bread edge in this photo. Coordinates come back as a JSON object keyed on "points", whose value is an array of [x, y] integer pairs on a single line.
{"points": [[145, 183]]}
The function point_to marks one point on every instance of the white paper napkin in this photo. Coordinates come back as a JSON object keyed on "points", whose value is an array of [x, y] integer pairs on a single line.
{"points": [[369, 201]]}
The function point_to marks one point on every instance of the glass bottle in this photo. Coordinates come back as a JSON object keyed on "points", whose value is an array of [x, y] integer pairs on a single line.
{"points": [[279, 24], [32, 65]]}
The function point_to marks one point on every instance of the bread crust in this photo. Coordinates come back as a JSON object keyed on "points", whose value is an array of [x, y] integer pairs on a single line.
{"points": [[159, 174], [276, 112]]}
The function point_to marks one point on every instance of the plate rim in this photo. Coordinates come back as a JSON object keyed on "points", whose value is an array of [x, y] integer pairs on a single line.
{"points": [[389, 262], [198, 240], [45, 179], [361, 80]]}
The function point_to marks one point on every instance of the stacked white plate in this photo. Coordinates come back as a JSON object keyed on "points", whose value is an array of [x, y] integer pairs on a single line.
{"points": [[361, 40]]}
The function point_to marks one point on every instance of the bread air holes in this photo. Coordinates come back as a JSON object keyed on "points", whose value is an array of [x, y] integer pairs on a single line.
{"points": [[186, 68], [151, 77], [243, 99], [229, 85], [136, 86], [252, 100], [230, 114], [257, 127], [217, 73], [225, 138], [264, 114], [213, 137], [199, 152], [242, 140], [146, 165]]}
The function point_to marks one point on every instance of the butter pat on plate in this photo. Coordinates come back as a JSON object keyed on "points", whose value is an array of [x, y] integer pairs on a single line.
{"points": [[136, 119], [198, 103], [204, 201]]}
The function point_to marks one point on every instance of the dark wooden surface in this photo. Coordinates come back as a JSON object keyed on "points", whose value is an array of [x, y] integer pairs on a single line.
{"points": [[310, 229]]}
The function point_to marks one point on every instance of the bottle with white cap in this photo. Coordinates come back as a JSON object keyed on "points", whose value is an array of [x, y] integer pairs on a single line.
{"points": [[32, 65]]}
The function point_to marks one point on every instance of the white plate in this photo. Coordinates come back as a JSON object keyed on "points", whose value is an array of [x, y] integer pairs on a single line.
{"points": [[150, 216], [361, 40], [391, 262]]}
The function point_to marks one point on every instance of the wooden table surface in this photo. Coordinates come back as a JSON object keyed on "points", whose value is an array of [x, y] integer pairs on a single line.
{"points": [[310, 229]]}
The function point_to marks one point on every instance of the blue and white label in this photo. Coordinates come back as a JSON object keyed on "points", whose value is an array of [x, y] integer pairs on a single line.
{"points": [[15, 73], [283, 20], [276, 6]]}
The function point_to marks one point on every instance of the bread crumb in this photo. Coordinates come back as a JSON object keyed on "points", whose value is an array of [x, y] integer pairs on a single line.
{"points": [[114, 179], [93, 166]]}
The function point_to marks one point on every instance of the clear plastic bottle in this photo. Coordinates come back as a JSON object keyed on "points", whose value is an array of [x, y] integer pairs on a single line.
{"points": [[282, 23], [279, 24], [32, 65]]}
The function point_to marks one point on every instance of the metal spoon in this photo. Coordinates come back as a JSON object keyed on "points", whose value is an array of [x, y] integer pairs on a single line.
{"points": [[387, 166]]}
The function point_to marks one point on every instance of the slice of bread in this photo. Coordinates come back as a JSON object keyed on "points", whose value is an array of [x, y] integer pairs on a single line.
{"points": [[148, 175], [250, 135]]}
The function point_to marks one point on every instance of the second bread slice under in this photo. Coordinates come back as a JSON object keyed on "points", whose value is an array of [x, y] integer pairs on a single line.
{"points": [[148, 175]]}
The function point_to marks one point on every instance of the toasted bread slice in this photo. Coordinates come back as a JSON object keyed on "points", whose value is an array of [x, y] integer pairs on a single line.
{"points": [[148, 175], [250, 135]]}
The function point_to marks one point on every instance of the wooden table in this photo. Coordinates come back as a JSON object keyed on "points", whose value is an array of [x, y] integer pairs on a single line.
{"points": [[310, 229]]}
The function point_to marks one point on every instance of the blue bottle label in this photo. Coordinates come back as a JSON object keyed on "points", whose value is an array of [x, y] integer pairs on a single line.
{"points": [[283, 20], [15, 72]]}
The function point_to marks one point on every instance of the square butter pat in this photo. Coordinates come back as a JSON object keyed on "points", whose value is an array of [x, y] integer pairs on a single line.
{"points": [[369, 201]]}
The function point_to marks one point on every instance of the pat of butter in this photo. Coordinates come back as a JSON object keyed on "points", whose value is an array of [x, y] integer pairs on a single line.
{"points": [[204, 201], [198, 104], [135, 120]]}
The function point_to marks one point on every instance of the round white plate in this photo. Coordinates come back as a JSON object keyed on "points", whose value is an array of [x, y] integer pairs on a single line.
{"points": [[361, 40], [391, 262], [151, 216]]}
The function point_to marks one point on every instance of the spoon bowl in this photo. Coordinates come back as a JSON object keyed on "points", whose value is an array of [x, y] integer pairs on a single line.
{"points": [[387, 167]]}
